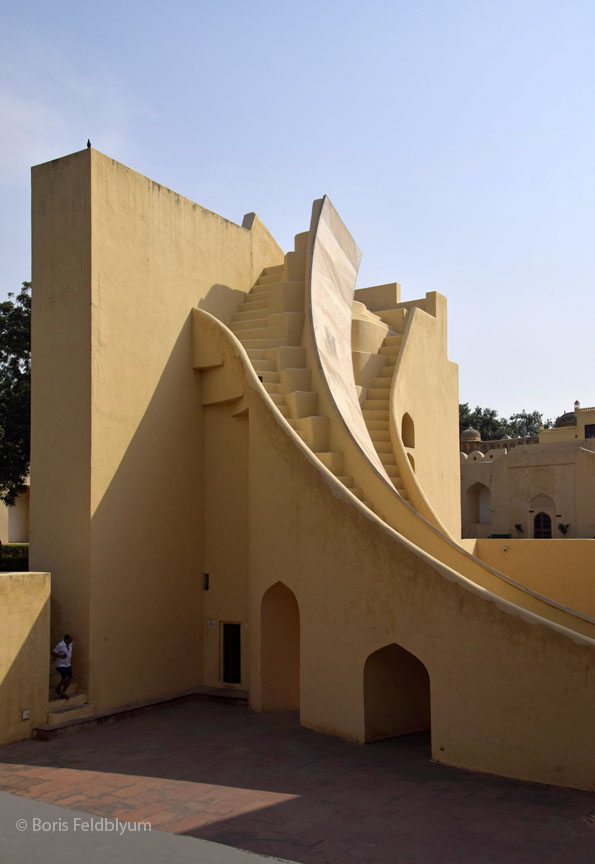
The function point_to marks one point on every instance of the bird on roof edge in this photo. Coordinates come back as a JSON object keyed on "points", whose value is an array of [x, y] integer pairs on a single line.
{"points": [[89, 143]]}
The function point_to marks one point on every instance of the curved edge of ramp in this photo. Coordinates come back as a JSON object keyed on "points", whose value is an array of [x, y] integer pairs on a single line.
{"points": [[331, 269], [509, 693]]}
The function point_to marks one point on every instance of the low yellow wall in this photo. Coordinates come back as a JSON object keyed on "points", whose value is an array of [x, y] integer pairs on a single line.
{"points": [[562, 570], [24, 652]]}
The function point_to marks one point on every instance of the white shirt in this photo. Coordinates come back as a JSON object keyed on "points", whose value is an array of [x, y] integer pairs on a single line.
{"points": [[63, 648]]}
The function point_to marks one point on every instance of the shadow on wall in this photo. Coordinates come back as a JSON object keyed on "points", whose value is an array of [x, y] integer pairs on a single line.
{"points": [[146, 546], [24, 684], [222, 302]]}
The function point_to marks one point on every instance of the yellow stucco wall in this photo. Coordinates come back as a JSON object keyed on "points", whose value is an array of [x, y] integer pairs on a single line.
{"points": [[511, 693], [427, 389], [184, 473], [117, 414], [24, 652], [563, 570]]}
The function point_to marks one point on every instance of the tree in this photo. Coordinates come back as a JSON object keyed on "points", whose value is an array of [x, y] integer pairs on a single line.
{"points": [[15, 393], [492, 428]]}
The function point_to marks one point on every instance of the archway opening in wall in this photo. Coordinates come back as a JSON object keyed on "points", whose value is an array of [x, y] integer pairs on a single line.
{"points": [[408, 431], [542, 526], [479, 504], [280, 650], [396, 694]]}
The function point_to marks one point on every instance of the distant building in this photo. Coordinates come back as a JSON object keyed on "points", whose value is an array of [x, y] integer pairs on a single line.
{"points": [[540, 487]]}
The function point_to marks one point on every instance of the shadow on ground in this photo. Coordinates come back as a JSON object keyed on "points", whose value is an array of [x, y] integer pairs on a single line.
{"points": [[263, 783]]}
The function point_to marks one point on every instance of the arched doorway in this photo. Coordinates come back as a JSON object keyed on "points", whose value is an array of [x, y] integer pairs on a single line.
{"points": [[280, 649], [542, 526], [396, 694], [479, 504]]}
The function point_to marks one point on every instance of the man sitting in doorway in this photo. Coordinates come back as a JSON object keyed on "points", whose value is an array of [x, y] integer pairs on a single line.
{"points": [[63, 654]]}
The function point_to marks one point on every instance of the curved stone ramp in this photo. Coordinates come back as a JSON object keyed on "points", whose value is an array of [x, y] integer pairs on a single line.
{"points": [[511, 694], [331, 270]]}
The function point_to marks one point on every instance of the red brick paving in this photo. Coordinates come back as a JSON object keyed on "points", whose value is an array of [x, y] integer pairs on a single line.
{"points": [[260, 782]]}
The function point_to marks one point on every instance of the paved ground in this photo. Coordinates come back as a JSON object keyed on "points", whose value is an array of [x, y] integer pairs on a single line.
{"points": [[262, 783], [33, 831]]}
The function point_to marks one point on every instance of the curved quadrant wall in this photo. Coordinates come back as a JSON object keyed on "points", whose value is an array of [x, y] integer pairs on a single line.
{"points": [[330, 280]]}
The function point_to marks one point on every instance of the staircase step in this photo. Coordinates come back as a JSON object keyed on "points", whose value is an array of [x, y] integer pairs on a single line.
{"points": [[374, 405], [302, 403], [263, 344], [278, 331], [291, 357], [379, 432], [263, 366], [313, 430], [386, 371], [250, 324], [254, 305], [345, 480], [272, 279], [278, 399], [389, 350], [300, 241], [387, 458], [248, 315], [70, 713], [269, 377], [393, 473], [74, 700], [382, 447], [371, 414], [275, 269], [294, 379], [333, 460], [379, 393], [395, 339]]}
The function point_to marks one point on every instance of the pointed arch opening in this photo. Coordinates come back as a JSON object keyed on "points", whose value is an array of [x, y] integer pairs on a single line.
{"points": [[408, 431], [396, 694], [542, 526], [280, 649], [479, 504]]}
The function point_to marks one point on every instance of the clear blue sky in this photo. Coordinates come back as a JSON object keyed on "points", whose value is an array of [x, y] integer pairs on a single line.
{"points": [[456, 139]]}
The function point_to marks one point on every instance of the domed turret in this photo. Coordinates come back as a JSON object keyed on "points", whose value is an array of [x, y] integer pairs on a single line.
{"points": [[470, 434], [568, 419]]}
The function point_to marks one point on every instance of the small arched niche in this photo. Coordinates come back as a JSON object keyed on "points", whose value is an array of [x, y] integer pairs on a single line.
{"points": [[411, 462], [396, 694], [280, 649], [408, 431], [478, 501]]}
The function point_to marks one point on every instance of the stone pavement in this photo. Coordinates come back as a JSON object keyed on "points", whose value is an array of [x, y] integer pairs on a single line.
{"points": [[33, 831], [264, 784]]}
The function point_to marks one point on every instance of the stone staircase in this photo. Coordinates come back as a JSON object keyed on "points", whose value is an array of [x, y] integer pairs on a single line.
{"points": [[269, 324], [65, 710], [376, 406]]}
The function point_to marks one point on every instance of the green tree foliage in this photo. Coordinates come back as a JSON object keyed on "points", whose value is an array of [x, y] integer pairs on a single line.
{"points": [[15, 392], [492, 428]]}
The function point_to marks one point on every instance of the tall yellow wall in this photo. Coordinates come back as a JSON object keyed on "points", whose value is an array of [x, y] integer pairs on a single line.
{"points": [[428, 391], [119, 261], [562, 570], [225, 515], [24, 652], [60, 527]]}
